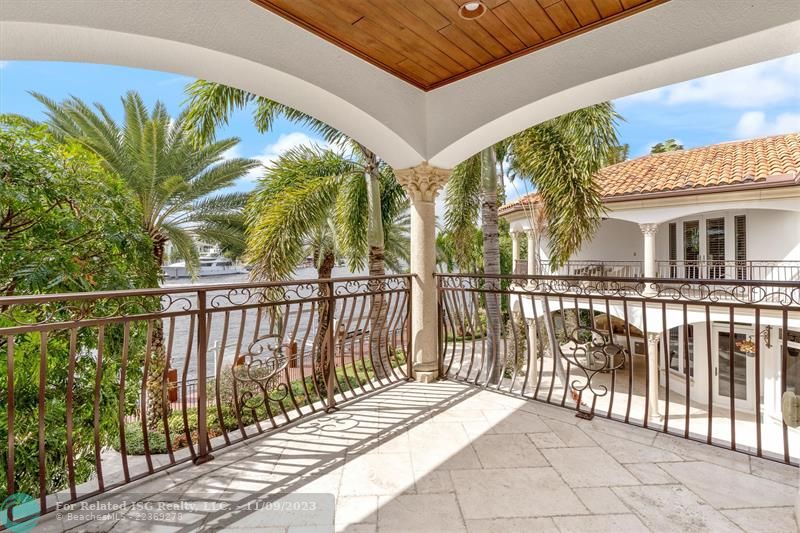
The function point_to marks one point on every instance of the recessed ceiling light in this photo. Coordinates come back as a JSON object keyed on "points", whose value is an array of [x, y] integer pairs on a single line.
{"points": [[471, 10]]}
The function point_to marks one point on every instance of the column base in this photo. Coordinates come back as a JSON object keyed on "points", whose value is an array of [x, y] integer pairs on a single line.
{"points": [[425, 374]]}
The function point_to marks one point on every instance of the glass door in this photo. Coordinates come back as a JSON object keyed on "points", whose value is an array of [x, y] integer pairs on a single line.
{"points": [[715, 248], [734, 368], [691, 248]]}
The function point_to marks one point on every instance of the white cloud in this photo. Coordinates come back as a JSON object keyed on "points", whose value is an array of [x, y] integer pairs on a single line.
{"points": [[756, 124], [763, 84]]}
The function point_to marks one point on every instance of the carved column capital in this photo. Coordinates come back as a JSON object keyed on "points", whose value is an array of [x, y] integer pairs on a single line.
{"points": [[654, 338], [423, 181], [648, 229]]}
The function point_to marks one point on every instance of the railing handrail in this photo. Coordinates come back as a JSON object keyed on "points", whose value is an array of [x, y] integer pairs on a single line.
{"points": [[597, 261], [639, 280], [182, 289], [769, 262]]}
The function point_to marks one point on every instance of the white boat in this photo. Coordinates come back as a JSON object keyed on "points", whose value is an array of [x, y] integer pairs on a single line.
{"points": [[210, 265]]}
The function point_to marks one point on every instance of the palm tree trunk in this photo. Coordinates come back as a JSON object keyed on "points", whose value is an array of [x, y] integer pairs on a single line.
{"points": [[491, 261], [325, 352], [378, 311], [157, 408]]}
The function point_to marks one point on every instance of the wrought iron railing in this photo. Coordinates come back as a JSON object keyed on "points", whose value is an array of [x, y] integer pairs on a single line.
{"points": [[90, 401], [592, 268], [761, 270], [707, 362]]}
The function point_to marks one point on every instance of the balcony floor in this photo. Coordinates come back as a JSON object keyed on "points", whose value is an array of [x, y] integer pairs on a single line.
{"points": [[450, 457]]}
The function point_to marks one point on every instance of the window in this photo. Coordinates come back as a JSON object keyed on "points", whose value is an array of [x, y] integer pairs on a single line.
{"points": [[740, 240], [691, 248], [793, 370], [792, 360], [677, 361], [673, 249], [715, 244], [674, 349]]}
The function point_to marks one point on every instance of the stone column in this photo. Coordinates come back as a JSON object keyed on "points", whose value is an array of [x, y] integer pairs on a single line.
{"points": [[514, 250], [532, 266], [422, 183], [649, 232], [653, 340]]}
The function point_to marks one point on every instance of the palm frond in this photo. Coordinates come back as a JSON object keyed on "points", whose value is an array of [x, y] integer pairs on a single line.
{"points": [[462, 203], [184, 245], [277, 230]]}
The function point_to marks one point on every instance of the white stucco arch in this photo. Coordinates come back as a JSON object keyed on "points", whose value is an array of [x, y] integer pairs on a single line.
{"points": [[239, 43], [384, 124]]}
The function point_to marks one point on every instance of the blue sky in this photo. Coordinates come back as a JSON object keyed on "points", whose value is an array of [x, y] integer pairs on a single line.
{"points": [[758, 100]]}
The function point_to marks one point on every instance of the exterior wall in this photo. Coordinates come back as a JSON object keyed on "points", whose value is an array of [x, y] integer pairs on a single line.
{"points": [[770, 234], [616, 240], [773, 234]]}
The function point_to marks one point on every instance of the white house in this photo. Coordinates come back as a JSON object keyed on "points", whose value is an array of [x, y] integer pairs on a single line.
{"points": [[715, 214]]}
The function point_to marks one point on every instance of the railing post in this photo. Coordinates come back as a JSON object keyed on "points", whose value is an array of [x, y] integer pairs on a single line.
{"points": [[331, 352], [203, 447], [409, 321]]}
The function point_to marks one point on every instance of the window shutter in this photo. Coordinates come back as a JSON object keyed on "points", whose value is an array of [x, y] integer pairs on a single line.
{"points": [[740, 238], [673, 250]]}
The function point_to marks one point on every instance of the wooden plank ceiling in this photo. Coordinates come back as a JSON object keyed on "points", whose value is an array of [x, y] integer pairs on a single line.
{"points": [[427, 43]]}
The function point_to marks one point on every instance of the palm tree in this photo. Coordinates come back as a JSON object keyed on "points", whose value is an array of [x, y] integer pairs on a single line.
{"points": [[559, 156], [309, 192], [618, 154], [211, 104], [670, 145], [176, 184]]}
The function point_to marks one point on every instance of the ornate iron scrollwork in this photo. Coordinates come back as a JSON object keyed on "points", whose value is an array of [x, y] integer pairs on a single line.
{"points": [[593, 353], [257, 373]]}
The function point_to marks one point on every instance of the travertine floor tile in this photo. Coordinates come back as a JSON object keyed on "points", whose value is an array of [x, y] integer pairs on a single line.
{"points": [[613, 523], [627, 451], [508, 493], [601, 500], [765, 520], [728, 489], [650, 474], [507, 451], [507, 525], [411, 513], [674, 509], [377, 475], [588, 467]]}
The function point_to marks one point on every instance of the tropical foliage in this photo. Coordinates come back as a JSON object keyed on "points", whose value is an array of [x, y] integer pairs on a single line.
{"points": [[315, 202], [560, 157], [211, 104], [670, 145], [65, 224], [317, 197], [176, 183]]}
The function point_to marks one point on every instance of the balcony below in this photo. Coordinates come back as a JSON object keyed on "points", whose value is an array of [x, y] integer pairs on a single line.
{"points": [[454, 457]]}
